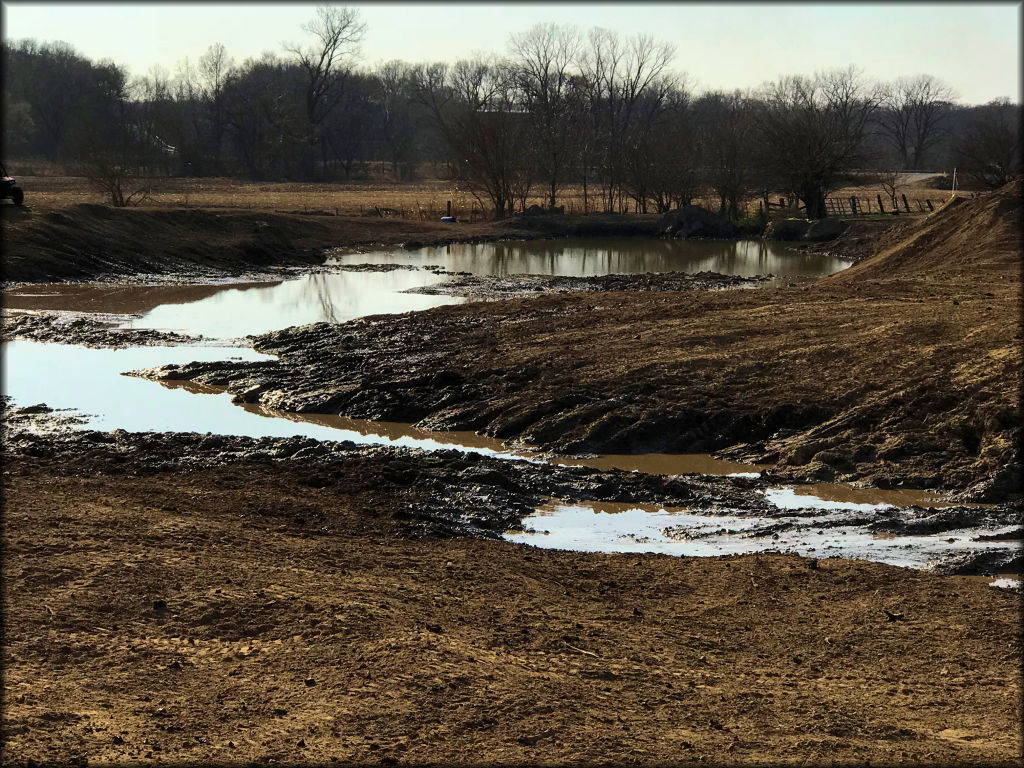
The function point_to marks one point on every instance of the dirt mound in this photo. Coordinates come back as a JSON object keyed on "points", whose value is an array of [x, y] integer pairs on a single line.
{"points": [[89, 242], [978, 237]]}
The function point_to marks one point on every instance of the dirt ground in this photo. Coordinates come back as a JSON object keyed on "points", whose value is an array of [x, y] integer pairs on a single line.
{"points": [[166, 598], [257, 611]]}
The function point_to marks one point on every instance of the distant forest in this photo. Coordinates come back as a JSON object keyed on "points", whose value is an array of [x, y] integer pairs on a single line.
{"points": [[563, 108]]}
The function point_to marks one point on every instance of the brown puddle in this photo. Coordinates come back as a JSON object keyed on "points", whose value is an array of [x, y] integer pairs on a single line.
{"points": [[897, 497], [391, 430], [114, 299], [666, 464]]}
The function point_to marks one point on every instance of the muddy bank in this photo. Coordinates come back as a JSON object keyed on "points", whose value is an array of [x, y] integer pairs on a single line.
{"points": [[684, 372], [524, 285], [137, 629], [95, 242], [848, 378], [442, 493], [83, 328], [859, 240]]}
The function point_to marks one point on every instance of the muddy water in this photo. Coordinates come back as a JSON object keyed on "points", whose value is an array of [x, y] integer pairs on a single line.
{"points": [[239, 309], [653, 528], [231, 310], [580, 257], [89, 381]]}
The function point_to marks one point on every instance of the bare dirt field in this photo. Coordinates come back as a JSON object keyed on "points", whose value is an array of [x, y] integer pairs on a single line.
{"points": [[190, 598], [253, 610]]}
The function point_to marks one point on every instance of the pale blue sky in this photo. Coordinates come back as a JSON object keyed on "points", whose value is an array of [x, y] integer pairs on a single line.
{"points": [[973, 47]]}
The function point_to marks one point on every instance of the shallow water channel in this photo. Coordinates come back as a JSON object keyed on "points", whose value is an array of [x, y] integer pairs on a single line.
{"points": [[89, 381]]}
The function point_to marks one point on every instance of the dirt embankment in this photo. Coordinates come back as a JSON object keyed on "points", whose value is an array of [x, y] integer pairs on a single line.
{"points": [[136, 627], [90, 242], [903, 372]]}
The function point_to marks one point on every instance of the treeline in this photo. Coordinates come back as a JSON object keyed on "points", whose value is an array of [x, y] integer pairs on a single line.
{"points": [[599, 112]]}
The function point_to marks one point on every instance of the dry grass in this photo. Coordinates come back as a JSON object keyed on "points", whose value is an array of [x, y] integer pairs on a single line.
{"points": [[423, 200]]}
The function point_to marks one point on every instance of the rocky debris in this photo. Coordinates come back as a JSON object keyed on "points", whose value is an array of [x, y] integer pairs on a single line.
{"points": [[694, 221], [527, 285], [828, 228], [787, 229], [85, 329]]}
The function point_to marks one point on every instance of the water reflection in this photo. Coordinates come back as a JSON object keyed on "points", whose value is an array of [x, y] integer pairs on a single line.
{"points": [[220, 311], [601, 256]]}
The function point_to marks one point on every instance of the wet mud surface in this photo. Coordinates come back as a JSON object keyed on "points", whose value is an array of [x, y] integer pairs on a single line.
{"points": [[449, 493], [385, 625], [452, 493], [523, 285], [86, 329], [685, 372]]}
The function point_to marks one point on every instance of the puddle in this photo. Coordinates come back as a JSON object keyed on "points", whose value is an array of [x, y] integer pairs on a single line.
{"points": [[674, 531], [92, 384], [96, 387], [668, 464], [591, 257], [230, 310]]}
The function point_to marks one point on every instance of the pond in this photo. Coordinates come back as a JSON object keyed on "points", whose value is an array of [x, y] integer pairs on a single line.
{"points": [[227, 310], [89, 381]]}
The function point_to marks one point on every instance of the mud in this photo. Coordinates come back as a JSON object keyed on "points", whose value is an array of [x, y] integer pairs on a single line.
{"points": [[86, 329], [476, 286], [447, 493], [137, 628], [686, 372], [197, 598]]}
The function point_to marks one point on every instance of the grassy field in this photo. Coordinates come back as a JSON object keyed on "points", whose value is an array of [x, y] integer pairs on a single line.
{"points": [[423, 200]]}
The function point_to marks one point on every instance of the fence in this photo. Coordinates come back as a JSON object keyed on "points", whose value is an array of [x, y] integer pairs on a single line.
{"points": [[854, 206]]}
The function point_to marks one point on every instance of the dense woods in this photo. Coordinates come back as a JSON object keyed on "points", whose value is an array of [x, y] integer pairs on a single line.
{"points": [[606, 114]]}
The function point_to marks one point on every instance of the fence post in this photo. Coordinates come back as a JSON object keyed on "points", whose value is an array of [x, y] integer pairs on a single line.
{"points": [[881, 208], [906, 205], [853, 205], [930, 206]]}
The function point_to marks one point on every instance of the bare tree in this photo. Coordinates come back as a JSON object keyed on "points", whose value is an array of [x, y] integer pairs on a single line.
{"points": [[913, 111], [543, 60], [988, 150], [478, 109], [891, 180], [813, 130], [215, 67], [394, 108], [728, 131], [337, 33], [620, 75]]}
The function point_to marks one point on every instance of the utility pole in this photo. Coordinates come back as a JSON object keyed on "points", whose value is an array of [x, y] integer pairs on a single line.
{"points": [[953, 190]]}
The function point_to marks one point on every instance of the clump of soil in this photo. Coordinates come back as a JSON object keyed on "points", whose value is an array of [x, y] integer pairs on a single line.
{"points": [[84, 329], [525, 285]]}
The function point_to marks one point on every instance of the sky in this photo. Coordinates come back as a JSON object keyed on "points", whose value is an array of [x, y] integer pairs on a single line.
{"points": [[974, 47]]}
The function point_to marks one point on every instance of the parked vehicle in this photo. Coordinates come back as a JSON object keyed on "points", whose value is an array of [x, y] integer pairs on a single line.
{"points": [[9, 188]]}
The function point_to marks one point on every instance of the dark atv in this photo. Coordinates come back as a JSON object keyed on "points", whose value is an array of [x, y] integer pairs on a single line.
{"points": [[9, 188]]}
